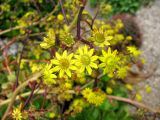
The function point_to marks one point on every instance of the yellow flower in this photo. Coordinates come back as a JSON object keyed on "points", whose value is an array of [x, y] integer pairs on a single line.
{"points": [[129, 38], [51, 115], [133, 50], [148, 88], [77, 105], [110, 61], [129, 87], [113, 82], [49, 41], [66, 38], [100, 37], [122, 72], [99, 99], [68, 85], [119, 24], [64, 64], [109, 90], [16, 114], [95, 98], [60, 17], [85, 59], [48, 76], [138, 97], [86, 92]]}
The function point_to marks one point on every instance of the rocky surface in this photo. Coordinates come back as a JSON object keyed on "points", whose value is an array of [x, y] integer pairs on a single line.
{"points": [[148, 19]]}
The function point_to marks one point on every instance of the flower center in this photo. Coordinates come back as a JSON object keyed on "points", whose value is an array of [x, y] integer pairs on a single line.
{"points": [[64, 63], [69, 39], [100, 37], [85, 59]]}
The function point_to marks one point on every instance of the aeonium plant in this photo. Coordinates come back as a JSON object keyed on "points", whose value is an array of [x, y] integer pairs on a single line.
{"points": [[87, 58], [75, 71]]}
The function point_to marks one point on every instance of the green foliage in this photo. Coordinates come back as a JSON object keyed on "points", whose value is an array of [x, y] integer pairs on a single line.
{"points": [[122, 6], [13, 11], [107, 111]]}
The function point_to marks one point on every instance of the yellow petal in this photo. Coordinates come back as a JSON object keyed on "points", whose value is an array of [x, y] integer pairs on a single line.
{"points": [[89, 70], [65, 53], [44, 45], [102, 59], [109, 50], [56, 69], [104, 53], [76, 56], [53, 76], [102, 65], [82, 69], [58, 56], [93, 58], [80, 51], [85, 49], [70, 56], [55, 62], [93, 65], [61, 73], [68, 73], [91, 52], [73, 67]]}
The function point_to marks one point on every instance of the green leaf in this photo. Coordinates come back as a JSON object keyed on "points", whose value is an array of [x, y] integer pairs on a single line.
{"points": [[12, 76], [111, 116], [105, 78], [106, 105]]}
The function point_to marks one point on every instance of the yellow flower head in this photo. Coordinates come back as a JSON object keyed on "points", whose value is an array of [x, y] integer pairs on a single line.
{"points": [[100, 37], [64, 64], [110, 61], [60, 17], [138, 97], [109, 90], [148, 88], [16, 114], [95, 98], [49, 41], [85, 59], [129, 38], [48, 76], [66, 38], [107, 8], [77, 105], [133, 50], [122, 72], [86, 92], [119, 24], [51, 115], [129, 87]]}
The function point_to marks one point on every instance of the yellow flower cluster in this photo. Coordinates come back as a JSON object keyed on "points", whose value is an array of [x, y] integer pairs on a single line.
{"points": [[105, 8], [17, 114], [83, 60], [77, 106], [96, 98], [49, 41], [133, 51]]}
